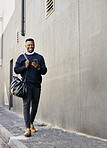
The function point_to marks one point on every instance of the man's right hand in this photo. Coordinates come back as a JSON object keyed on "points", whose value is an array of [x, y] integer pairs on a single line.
{"points": [[27, 63]]}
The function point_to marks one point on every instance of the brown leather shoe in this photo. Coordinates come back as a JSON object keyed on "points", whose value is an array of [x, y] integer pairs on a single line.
{"points": [[27, 133], [33, 130]]}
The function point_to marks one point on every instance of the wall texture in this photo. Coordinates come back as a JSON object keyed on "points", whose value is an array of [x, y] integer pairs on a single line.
{"points": [[73, 41]]}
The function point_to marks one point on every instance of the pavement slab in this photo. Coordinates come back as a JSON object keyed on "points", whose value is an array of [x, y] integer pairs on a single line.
{"points": [[45, 137]]}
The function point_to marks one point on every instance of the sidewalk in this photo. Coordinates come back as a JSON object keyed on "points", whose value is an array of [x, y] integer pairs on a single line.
{"points": [[12, 128]]}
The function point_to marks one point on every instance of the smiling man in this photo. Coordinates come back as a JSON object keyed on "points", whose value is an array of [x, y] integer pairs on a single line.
{"points": [[35, 67]]}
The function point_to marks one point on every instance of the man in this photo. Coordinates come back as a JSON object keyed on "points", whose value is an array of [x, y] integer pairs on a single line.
{"points": [[34, 66]]}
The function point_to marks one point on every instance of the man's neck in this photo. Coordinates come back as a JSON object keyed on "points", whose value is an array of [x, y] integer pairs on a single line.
{"points": [[28, 53]]}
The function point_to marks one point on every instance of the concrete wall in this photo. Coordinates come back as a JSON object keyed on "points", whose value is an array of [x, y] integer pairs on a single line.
{"points": [[93, 66], [73, 42], [6, 11]]}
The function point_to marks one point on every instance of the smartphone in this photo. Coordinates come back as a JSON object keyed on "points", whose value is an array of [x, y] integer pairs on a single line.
{"points": [[35, 60]]}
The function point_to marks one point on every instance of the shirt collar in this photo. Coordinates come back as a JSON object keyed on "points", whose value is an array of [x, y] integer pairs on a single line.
{"points": [[30, 53]]}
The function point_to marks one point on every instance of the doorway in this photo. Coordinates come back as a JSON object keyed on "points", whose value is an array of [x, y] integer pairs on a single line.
{"points": [[11, 77]]}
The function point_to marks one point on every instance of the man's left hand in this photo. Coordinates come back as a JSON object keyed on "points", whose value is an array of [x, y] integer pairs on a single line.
{"points": [[36, 65]]}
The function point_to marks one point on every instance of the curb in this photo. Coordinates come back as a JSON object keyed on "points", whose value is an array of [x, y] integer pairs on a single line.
{"points": [[7, 137]]}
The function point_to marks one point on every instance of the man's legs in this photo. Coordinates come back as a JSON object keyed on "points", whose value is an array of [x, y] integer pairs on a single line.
{"points": [[34, 95], [35, 102]]}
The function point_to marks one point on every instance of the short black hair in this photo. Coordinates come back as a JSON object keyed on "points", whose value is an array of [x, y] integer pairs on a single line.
{"points": [[29, 39]]}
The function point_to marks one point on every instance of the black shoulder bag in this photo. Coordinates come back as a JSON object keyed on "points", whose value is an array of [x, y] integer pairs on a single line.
{"points": [[18, 86]]}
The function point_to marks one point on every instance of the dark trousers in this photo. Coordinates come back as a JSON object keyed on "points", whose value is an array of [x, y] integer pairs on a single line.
{"points": [[33, 97]]}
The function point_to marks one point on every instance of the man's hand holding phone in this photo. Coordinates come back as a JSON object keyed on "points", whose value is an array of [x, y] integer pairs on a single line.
{"points": [[36, 64]]}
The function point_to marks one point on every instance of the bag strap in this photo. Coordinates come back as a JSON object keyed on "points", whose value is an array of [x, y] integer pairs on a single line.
{"points": [[25, 56], [27, 68]]}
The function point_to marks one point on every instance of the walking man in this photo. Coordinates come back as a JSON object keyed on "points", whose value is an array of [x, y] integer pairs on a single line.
{"points": [[35, 67]]}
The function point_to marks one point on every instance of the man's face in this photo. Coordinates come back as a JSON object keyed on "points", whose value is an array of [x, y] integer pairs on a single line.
{"points": [[30, 45]]}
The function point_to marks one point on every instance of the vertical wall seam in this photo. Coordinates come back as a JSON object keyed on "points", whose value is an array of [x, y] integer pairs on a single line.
{"points": [[79, 66]]}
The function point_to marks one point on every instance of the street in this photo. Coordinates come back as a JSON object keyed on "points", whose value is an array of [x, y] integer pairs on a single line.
{"points": [[12, 128]]}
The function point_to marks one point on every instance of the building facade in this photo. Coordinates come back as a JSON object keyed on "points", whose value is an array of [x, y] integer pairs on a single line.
{"points": [[72, 36]]}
